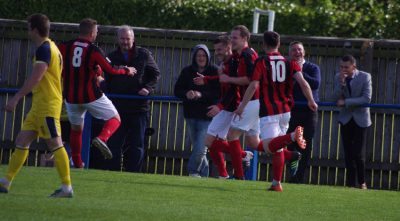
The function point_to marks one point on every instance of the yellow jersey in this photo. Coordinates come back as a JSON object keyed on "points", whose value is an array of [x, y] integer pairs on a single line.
{"points": [[47, 95]]}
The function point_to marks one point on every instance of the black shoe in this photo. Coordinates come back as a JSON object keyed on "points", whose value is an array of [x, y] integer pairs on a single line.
{"points": [[294, 163]]}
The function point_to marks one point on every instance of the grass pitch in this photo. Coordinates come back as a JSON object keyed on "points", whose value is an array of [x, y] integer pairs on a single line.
{"points": [[104, 195]]}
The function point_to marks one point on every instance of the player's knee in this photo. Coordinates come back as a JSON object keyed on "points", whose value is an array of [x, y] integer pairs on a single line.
{"points": [[77, 127], [234, 134], [209, 140], [252, 141], [266, 146], [54, 143], [23, 140], [117, 117]]}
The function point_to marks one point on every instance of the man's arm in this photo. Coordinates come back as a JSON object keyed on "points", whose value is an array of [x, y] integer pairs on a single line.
{"points": [[151, 74], [223, 78], [203, 80], [251, 89], [339, 90], [106, 66], [180, 88], [210, 92], [39, 69], [365, 97], [305, 88]]}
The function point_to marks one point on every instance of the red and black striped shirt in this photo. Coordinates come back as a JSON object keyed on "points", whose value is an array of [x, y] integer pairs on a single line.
{"points": [[275, 75], [244, 67], [80, 58], [239, 65], [230, 93]]}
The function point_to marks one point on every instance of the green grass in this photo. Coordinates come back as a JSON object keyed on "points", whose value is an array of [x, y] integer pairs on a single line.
{"points": [[103, 195]]}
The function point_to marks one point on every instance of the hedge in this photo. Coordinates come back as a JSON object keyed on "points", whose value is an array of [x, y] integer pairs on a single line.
{"points": [[335, 18]]}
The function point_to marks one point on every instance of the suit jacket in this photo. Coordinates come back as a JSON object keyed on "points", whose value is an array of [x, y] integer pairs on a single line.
{"points": [[361, 93]]}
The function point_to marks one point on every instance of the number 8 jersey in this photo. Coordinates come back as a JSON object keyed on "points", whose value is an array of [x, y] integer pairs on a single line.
{"points": [[81, 58], [275, 75]]}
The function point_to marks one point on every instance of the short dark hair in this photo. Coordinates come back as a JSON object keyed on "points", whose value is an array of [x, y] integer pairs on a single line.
{"points": [[224, 39], [244, 31], [349, 58], [272, 39], [295, 43], [86, 26], [41, 23]]}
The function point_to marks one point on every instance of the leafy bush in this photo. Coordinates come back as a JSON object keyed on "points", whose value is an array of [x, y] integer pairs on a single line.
{"points": [[340, 18]]}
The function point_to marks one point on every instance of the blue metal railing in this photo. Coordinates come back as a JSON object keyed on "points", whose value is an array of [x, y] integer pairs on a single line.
{"points": [[173, 98], [251, 173]]}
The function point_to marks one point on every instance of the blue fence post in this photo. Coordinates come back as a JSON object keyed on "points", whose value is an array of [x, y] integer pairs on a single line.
{"points": [[86, 137], [251, 172]]}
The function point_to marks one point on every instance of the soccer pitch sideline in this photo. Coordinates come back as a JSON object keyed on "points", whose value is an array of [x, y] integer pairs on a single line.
{"points": [[104, 195]]}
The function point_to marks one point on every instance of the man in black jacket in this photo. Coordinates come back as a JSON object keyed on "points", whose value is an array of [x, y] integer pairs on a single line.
{"points": [[129, 140]]}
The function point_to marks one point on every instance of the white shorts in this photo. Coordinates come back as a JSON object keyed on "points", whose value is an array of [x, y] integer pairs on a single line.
{"points": [[220, 124], [250, 120], [274, 126], [101, 108]]}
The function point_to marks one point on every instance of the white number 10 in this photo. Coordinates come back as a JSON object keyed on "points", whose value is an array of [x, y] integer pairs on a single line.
{"points": [[278, 71]]}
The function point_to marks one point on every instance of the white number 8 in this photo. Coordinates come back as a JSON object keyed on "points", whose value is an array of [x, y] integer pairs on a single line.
{"points": [[77, 59], [278, 71]]}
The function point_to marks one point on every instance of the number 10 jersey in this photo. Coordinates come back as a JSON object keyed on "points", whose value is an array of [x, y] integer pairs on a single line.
{"points": [[275, 75]]}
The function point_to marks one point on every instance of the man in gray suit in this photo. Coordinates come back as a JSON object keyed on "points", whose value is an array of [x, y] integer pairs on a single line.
{"points": [[353, 89]]}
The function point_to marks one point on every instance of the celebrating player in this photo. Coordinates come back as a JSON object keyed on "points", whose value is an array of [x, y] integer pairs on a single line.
{"points": [[273, 76], [82, 61]]}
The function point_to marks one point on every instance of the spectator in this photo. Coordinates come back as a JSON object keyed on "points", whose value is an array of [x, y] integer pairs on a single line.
{"points": [[303, 115], [196, 100], [129, 140], [353, 88], [82, 93]]}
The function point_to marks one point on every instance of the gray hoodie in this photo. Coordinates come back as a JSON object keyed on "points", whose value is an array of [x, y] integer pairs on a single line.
{"points": [[195, 49]]}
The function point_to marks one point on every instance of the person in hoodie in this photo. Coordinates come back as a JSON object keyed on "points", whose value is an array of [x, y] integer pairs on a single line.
{"points": [[128, 142], [196, 102]]}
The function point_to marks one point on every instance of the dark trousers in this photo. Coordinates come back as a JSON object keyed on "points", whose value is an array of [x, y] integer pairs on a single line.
{"points": [[127, 145], [354, 140], [303, 116]]}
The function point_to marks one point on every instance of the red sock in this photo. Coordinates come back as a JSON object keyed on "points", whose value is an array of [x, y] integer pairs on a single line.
{"points": [[260, 147], [216, 153], [109, 128], [287, 154], [75, 143], [235, 149], [278, 162], [279, 142], [224, 146]]}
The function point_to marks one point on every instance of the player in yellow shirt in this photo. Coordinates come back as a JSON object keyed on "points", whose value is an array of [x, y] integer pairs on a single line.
{"points": [[43, 119]]}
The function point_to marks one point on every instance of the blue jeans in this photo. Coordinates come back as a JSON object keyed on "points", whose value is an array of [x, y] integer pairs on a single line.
{"points": [[198, 162]]}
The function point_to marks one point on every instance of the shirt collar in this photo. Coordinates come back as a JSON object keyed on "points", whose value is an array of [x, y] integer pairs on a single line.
{"points": [[355, 73]]}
